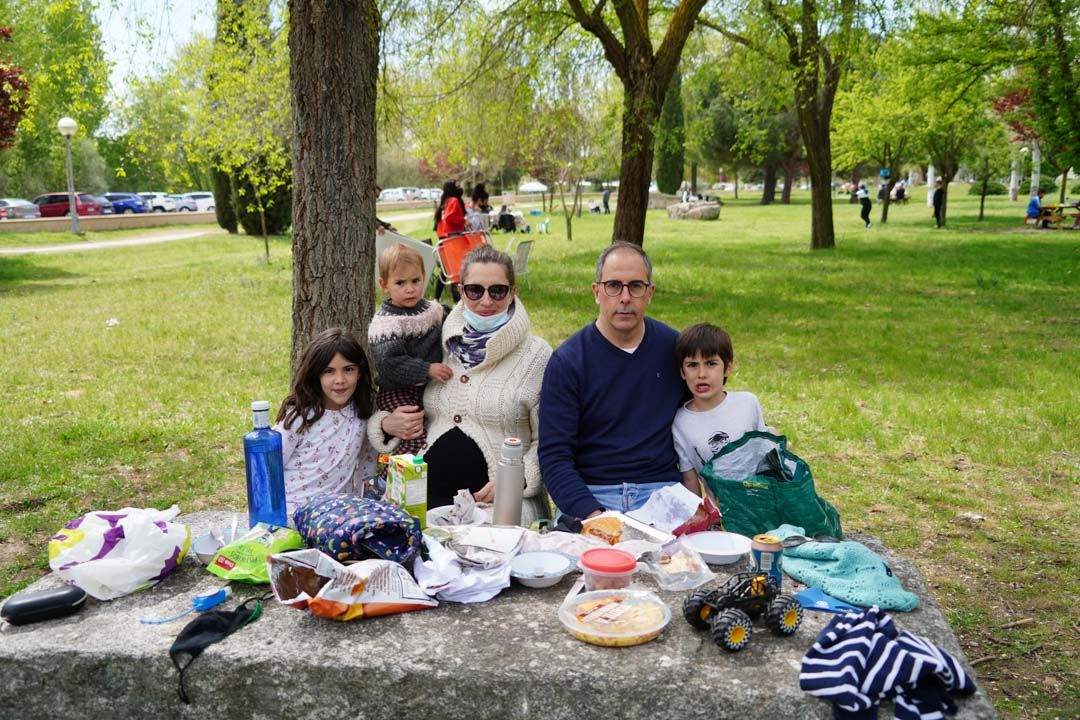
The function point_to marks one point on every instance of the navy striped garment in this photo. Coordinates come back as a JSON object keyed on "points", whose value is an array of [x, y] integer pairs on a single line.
{"points": [[860, 660]]}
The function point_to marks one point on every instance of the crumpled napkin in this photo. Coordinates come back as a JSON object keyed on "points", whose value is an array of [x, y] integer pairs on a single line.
{"points": [[447, 578]]}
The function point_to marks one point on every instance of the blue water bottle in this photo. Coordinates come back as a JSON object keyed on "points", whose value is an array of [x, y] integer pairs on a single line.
{"points": [[265, 476]]}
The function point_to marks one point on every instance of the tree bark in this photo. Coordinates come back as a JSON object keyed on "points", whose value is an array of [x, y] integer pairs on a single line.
{"points": [[640, 111], [333, 67], [768, 193]]}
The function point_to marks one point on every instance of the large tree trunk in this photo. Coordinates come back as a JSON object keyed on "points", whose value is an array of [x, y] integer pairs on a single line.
{"points": [[640, 111], [334, 62], [768, 194], [819, 160]]}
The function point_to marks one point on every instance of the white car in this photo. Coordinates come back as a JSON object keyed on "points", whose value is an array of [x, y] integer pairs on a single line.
{"points": [[392, 195], [159, 201], [203, 200]]}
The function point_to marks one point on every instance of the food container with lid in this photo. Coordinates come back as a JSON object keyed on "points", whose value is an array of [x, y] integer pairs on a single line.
{"points": [[614, 618], [607, 568]]}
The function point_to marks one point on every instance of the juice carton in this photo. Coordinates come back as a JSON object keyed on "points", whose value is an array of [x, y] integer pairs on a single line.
{"points": [[407, 485]]}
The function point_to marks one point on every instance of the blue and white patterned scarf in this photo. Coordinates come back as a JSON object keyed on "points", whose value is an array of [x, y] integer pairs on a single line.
{"points": [[470, 347]]}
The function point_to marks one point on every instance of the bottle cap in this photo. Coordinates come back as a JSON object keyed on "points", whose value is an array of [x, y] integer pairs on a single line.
{"points": [[418, 460], [511, 448], [260, 405]]}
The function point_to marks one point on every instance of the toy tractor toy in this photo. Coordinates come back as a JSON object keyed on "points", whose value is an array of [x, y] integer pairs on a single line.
{"points": [[726, 611]]}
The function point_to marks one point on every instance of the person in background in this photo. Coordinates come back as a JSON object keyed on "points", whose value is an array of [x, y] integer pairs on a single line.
{"points": [[609, 397], [1034, 208], [938, 201], [605, 198], [497, 367], [381, 226], [450, 215], [864, 201], [479, 215]]}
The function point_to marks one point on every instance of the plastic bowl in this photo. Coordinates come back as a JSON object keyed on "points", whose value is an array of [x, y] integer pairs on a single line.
{"points": [[614, 618], [717, 547], [540, 568], [607, 568], [206, 546], [439, 516]]}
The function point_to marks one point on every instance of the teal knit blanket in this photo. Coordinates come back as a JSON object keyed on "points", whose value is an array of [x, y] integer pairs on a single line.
{"points": [[847, 570]]}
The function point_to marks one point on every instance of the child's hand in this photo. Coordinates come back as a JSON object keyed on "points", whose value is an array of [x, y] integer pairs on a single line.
{"points": [[440, 372]]}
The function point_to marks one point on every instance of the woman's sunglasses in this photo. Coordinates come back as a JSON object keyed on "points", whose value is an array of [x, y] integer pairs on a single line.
{"points": [[495, 292]]}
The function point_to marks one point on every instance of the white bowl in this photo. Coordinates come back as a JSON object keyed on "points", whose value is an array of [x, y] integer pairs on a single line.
{"points": [[717, 547], [540, 568], [206, 546], [438, 517]]}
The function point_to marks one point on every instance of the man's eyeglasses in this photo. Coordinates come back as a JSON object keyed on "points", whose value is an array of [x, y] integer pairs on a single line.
{"points": [[614, 288], [495, 292]]}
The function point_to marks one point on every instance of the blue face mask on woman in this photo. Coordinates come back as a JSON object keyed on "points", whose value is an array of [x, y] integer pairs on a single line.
{"points": [[485, 324]]}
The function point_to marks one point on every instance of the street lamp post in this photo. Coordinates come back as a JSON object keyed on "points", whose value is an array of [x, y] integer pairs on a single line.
{"points": [[67, 128]]}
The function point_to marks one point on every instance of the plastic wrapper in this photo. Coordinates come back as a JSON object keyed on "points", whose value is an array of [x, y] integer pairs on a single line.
{"points": [[311, 580], [244, 559], [677, 566]]}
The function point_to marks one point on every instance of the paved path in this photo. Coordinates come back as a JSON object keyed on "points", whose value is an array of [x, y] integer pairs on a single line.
{"points": [[136, 240]]}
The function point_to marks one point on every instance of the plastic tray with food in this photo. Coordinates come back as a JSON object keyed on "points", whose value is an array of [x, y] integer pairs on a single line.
{"points": [[677, 566], [614, 618]]}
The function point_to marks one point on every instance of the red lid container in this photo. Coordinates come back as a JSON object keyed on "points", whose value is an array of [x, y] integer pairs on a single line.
{"points": [[608, 560]]}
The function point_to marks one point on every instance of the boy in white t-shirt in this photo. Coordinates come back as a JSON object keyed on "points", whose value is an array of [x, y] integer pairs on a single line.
{"points": [[714, 417]]}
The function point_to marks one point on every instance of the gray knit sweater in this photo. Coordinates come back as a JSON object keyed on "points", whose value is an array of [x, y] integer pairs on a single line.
{"points": [[404, 342]]}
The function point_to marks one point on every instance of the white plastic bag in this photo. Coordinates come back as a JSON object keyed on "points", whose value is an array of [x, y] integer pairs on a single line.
{"points": [[110, 554]]}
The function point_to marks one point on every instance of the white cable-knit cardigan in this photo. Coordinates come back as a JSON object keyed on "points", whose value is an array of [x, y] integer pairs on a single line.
{"points": [[497, 399]]}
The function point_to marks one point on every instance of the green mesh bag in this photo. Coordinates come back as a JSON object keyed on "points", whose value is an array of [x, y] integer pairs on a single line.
{"points": [[760, 485]]}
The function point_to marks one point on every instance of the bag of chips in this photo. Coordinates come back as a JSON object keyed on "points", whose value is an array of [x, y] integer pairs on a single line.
{"points": [[244, 559]]}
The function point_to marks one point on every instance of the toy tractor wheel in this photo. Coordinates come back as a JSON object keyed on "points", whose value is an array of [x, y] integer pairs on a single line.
{"points": [[785, 615], [731, 629], [696, 610]]}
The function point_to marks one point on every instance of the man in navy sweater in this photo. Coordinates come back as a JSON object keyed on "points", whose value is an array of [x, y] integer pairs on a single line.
{"points": [[609, 396]]}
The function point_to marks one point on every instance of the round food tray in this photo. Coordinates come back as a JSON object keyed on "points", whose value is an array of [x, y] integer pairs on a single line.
{"points": [[614, 618]]}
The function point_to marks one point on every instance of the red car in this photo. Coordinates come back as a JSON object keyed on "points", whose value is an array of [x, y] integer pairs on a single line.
{"points": [[58, 204]]}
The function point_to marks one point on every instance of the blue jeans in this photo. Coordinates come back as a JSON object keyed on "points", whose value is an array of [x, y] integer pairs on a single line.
{"points": [[622, 497]]}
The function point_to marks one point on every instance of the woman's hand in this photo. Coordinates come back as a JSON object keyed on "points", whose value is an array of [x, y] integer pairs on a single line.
{"points": [[406, 422], [485, 494]]}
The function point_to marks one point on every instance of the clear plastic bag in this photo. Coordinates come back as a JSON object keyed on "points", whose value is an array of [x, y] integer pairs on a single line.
{"points": [[677, 566]]}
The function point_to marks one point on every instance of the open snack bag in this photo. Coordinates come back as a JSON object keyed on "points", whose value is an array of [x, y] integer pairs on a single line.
{"points": [[310, 579]]}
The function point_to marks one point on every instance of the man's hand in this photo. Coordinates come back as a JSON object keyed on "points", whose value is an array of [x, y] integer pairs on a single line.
{"points": [[440, 372]]}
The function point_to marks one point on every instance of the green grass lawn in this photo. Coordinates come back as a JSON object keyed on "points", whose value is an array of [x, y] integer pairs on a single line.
{"points": [[922, 373]]}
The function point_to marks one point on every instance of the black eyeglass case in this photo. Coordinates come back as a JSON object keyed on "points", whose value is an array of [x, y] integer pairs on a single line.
{"points": [[32, 607]]}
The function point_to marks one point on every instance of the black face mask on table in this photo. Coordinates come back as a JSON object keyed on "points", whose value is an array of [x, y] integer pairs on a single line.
{"points": [[210, 627]]}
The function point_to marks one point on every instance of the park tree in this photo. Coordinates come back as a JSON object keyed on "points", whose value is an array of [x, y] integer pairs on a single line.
{"points": [[989, 160], [671, 140], [629, 36], [244, 119], [14, 94], [334, 64], [877, 119], [818, 39], [59, 49]]}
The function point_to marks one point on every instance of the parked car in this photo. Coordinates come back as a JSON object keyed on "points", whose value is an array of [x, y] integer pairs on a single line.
{"points": [[18, 209], [204, 201], [127, 203], [57, 204], [184, 203], [392, 195], [159, 201], [105, 204]]}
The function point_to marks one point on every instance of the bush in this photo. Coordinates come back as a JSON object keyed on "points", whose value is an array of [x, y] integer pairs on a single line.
{"points": [[1047, 184], [1075, 189], [992, 188]]}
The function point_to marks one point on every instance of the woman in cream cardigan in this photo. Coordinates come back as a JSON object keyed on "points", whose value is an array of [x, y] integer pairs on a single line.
{"points": [[494, 392]]}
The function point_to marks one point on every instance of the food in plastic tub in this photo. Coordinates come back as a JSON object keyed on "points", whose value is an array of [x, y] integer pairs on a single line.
{"points": [[607, 568], [614, 618]]}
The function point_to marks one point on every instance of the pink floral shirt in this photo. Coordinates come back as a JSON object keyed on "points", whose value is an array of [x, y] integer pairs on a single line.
{"points": [[329, 457]]}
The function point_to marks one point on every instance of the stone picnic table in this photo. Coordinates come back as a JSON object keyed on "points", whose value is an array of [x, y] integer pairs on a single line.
{"points": [[506, 658]]}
